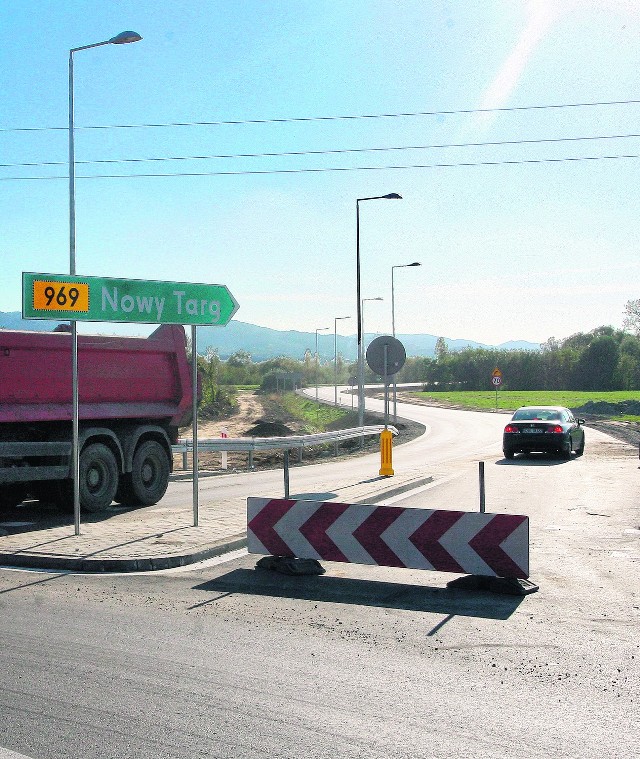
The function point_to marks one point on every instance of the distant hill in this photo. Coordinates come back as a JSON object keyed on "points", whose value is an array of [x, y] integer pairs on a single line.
{"points": [[14, 320], [264, 343]]}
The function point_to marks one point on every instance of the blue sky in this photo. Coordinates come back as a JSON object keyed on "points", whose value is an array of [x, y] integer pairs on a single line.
{"points": [[526, 249]]}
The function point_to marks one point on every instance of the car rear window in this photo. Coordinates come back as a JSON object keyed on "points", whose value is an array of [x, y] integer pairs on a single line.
{"points": [[544, 414]]}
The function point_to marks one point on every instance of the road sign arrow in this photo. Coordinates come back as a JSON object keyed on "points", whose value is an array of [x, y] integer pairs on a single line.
{"points": [[396, 536], [369, 535], [261, 523], [499, 545], [427, 540], [289, 528], [315, 531], [342, 533]]}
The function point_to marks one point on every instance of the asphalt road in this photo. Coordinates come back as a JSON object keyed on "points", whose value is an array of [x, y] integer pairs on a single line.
{"points": [[222, 660], [449, 437]]}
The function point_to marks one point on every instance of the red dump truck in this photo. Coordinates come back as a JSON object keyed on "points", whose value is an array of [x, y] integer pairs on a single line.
{"points": [[133, 392]]}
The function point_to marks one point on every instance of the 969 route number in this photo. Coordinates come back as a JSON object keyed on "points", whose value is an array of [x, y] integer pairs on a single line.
{"points": [[60, 296]]}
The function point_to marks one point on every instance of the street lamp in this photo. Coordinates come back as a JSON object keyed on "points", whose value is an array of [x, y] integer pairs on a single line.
{"points": [[393, 315], [393, 329], [120, 39], [364, 339], [335, 357], [320, 329], [390, 196]]}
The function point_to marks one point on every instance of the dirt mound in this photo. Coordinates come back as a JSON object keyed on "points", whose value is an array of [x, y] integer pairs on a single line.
{"points": [[604, 408], [263, 428]]}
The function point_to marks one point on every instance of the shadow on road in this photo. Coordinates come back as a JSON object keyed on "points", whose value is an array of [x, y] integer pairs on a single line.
{"points": [[533, 459], [313, 496], [385, 595]]}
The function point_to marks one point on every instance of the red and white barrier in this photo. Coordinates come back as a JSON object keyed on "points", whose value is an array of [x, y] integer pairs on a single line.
{"points": [[494, 545]]}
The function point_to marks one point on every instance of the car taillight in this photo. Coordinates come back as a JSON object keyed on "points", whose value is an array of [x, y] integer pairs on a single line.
{"points": [[557, 429], [511, 428]]}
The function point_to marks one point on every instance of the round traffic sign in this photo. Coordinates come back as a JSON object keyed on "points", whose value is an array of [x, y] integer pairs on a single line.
{"points": [[386, 355], [497, 381]]}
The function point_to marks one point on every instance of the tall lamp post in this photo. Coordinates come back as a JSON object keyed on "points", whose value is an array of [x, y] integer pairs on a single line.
{"points": [[393, 329], [121, 39], [320, 329], [335, 357], [390, 196], [364, 340]]}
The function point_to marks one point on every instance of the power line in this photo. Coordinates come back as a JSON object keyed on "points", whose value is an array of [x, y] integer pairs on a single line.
{"points": [[325, 152], [289, 120], [336, 168]]}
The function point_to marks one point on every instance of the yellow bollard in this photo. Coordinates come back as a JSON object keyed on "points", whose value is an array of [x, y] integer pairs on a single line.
{"points": [[386, 470]]}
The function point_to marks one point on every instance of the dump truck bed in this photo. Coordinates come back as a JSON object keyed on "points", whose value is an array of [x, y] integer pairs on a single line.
{"points": [[118, 377]]}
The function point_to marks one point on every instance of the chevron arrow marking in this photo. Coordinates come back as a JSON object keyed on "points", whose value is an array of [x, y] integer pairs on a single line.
{"points": [[446, 541], [489, 545], [315, 530], [262, 515], [427, 539], [369, 535]]}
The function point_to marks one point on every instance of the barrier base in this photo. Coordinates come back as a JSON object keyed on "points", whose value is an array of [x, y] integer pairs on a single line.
{"points": [[290, 566], [510, 586]]}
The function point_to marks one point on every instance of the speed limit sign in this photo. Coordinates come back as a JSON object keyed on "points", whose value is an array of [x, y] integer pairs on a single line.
{"points": [[497, 381]]}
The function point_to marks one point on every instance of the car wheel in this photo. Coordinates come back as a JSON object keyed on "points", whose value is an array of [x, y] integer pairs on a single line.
{"points": [[98, 477], [565, 453], [580, 448], [508, 454]]}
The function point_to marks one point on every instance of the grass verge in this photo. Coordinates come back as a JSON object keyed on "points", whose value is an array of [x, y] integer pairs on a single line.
{"points": [[513, 399], [316, 416]]}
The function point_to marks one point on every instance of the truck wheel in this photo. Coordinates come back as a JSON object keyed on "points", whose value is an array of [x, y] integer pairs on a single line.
{"points": [[149, 474], [98, 477]]}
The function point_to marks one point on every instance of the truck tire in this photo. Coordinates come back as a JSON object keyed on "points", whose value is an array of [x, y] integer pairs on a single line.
{"points": [[98, 477], [149, 476]]}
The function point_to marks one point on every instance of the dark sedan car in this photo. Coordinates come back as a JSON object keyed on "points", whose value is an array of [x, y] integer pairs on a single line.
{"points": [[544, 429]]}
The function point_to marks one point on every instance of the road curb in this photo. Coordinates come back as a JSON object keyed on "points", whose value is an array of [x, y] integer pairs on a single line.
{"points": [[146, 564], [411, 485]]}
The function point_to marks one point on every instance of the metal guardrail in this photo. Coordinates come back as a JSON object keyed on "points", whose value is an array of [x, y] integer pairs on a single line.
{"points": [[290, 442]]}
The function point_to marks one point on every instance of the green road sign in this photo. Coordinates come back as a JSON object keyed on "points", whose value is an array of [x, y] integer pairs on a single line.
{"points": [[100, 299]]}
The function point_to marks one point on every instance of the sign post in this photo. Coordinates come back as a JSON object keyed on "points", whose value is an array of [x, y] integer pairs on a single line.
{"points": [[386, 356], [496, 381]]}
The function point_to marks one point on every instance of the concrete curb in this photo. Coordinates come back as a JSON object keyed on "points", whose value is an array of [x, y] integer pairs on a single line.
{"points": [[411, 485], [91, 563], [147, 564]]}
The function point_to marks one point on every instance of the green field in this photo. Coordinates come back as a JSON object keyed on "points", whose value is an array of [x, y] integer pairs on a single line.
{"points": [[509, 400]]}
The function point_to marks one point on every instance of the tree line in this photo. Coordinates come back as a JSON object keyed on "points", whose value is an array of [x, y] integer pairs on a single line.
{"points": [[603, 359]]}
